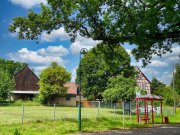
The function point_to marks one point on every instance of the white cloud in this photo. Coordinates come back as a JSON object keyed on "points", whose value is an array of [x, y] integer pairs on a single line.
{"points": [[150, 71], [41, 58], [73, 74], [82, 42], [166, 77], [136, 63], [15, 34], [157, 63], [29, 3], [38, 69], [61, 35], [53, 51], [170, 58], [32, 57], [175, 52], [55, 35], [160, 67]]}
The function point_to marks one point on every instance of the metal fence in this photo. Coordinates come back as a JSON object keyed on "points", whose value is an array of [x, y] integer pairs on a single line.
{"points": [[124, 112]]}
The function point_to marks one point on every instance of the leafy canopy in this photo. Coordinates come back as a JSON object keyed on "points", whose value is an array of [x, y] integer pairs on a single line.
{"points": [[177, 79], [120, 88], [167, 94], [11, 67], [152, 25], [6, 84], [51, 82], [99, 65], [8, 68], [156, 85]]}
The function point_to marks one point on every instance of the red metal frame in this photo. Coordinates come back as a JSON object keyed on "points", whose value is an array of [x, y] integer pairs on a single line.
{"points": [[146, 99]]}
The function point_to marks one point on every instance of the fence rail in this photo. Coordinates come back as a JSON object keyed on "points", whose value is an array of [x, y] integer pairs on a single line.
{"points": [[23, 113]]}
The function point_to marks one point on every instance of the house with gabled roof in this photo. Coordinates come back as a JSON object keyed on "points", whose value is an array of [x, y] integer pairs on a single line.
{"points": [[142, 81], [26, 85], [26, 88]]}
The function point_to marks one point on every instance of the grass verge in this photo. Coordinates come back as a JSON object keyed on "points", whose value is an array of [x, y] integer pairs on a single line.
{"points": [[64, 126]]}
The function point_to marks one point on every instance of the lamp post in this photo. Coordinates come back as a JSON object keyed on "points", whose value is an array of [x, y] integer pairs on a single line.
{"points": [[83, 51]]}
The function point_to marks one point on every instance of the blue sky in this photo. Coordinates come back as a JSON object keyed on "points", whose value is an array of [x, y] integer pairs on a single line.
{"points": [[57, 46]]}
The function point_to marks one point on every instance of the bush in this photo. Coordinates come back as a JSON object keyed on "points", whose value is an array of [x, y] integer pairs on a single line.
{"points": [[26, 103], [16, 132]]}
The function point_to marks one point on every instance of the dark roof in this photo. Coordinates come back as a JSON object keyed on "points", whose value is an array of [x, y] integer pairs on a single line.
{"points": [[28, 69]]}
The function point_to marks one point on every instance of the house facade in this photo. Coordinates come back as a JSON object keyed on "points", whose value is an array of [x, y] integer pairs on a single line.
{"points": [[26, 85], [26, 88], [70, 99], [142, 81]]}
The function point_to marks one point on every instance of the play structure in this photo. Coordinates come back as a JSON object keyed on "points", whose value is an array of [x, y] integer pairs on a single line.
{"points": [[147, 108]]}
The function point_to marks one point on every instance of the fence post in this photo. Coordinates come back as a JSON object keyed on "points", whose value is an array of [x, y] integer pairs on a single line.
{"points": [[98, 107], [130, 112], [22, 113], [54, 111], [114, 112], [123, 112]]}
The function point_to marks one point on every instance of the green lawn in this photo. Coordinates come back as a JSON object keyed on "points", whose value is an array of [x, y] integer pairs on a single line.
{"points": [[40, 120], [13, 114]]}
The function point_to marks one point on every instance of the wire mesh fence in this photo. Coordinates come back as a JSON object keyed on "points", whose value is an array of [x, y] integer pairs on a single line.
{"points": [[90, 110]]}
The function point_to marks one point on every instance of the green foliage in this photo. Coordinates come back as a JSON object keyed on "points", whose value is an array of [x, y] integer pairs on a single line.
{"points": [[152, 25], [177, 79], [6, 84], [16, 132], [10, 66], [120, 88], [98, 65], [51, 82], [7, 70], [156, 85], [160, 89], [25, 103], [167, 94], [142, 91]]}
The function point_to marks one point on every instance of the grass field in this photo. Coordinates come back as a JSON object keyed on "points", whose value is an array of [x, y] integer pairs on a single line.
{"points": [[40, 120], [13, 114]]}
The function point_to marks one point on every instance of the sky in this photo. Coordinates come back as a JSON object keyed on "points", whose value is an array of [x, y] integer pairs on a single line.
{"points": [[58, 47]]}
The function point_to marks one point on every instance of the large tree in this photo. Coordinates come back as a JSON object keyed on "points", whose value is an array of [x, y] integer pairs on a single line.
{"points": [[98, 65], [152, 25], [176, 78], [51, 82], [156, 85], [167, 94], [6, 84], [120, 88], [11, 67], [8, 68]]}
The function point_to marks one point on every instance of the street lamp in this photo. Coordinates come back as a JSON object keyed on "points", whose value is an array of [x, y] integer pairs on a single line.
{"points": [[83, 51]]}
